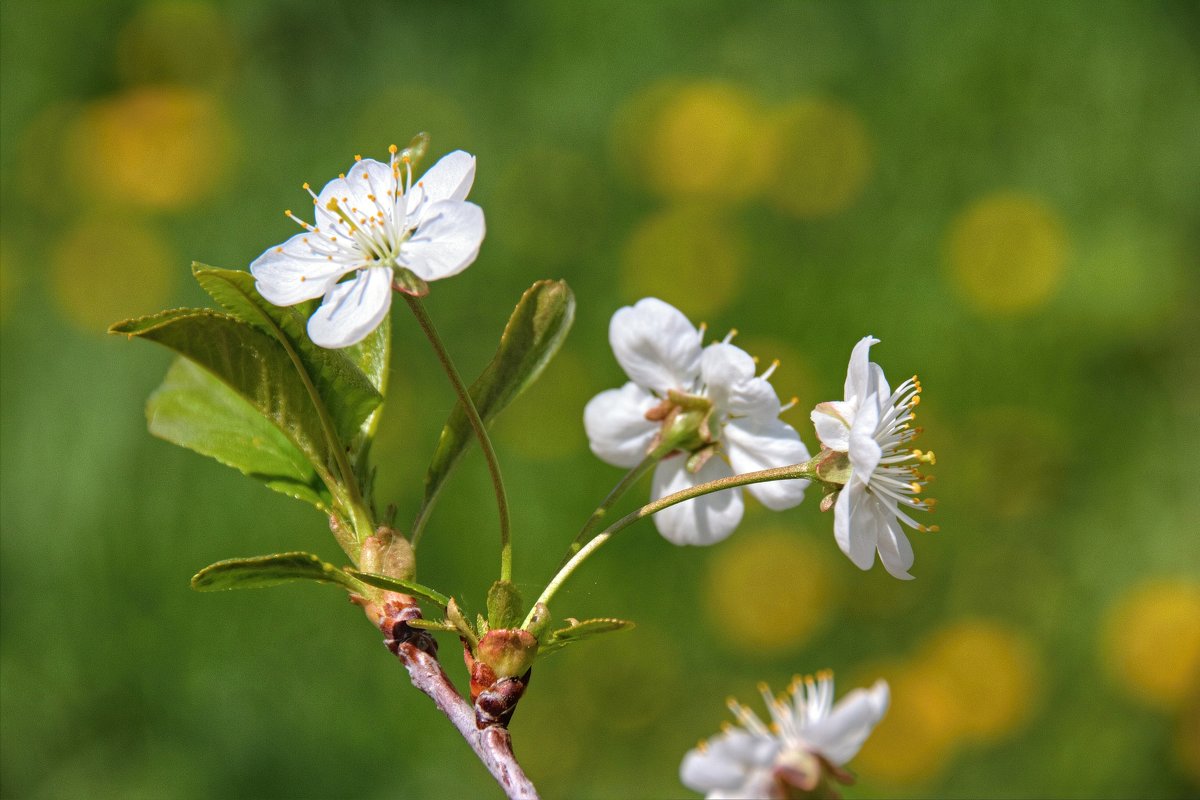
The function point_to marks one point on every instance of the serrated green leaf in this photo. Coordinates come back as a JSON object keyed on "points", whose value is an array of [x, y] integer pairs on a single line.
{"points": [[348, 393], [193, 409], [402, 587], [263, 571], [248, 361], [578, 631], [534, 332], [503, 605]]}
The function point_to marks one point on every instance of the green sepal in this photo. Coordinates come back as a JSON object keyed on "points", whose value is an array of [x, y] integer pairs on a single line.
{"points": [[534, 333], [263, 571], [193, 409], [400, 587], [345, 390], [503, 605], [578, 631]]}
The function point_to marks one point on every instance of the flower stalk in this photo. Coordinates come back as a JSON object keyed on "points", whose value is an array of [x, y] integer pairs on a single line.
{"points": [[805, 471], [485, 442]]}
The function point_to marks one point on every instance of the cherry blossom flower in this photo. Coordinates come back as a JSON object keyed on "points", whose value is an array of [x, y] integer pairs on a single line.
{"points": [[803, 749], [708, 404], [375, 226], [872, 426]]}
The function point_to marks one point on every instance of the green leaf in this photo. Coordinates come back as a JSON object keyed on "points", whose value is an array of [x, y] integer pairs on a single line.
{"points": [[402, 587], [193, 409], [263, 571], [503, 605], [431, 625], [249, 362], [534, 332], [346, 391], [578, 631], [371, 356]]}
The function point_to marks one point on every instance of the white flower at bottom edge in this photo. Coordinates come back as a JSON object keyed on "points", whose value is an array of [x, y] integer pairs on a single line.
{"points": [[369, 223], [806, 745], [873, 427], [661, 352]]}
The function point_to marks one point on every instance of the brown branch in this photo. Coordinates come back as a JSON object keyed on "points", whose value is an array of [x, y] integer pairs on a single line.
{"points": [[417, 651]]}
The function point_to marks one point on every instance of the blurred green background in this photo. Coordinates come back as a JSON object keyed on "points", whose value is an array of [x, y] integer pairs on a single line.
{"points": [[1008, 196]]}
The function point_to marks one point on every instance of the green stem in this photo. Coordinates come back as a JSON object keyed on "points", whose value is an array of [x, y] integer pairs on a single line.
{"points": [[485, 443], [617, 492], [806, 471]]}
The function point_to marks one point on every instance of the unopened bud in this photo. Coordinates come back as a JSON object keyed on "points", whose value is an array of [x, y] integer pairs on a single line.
{"points": [[388, 553], [508, 652], [833, 466]]}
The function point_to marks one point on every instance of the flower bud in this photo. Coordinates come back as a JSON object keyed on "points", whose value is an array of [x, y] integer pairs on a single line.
{"points": [[508, 652], [388, 553]]}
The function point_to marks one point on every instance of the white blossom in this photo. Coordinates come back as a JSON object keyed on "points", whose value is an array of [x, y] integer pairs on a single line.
{"points": [[369, 224], [804, 748], [872, 425], [677, 383]]}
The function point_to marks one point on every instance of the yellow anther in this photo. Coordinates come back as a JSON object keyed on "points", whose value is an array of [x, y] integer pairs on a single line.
{"points": [[916, 487], [393, 149], [305, 186], [702, 746], [342, 175], [774, 727], [915, 401], [357, 157], [278, 249], [929, 529], [762, 686], [288, 213], [754, 359]]}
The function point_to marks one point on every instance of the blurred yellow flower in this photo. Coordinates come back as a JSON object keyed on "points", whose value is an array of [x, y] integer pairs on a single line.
{"points": [[691, 256], [159, 147], [1007, 253], [704, 139], [822, 158], [104, 270], [917, 737], [176, 41], [1151, 642], [991, 671], [768, 591]]}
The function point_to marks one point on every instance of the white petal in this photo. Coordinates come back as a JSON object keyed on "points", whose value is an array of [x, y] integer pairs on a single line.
{"points": [[367, 191], [755, 444], [864, 451], [446, 242], [701, 521], [754, 397], [293, 272], [722, 366], [449, 179], [352, 309], [879, 385], [853, 526], [840, 736], [858, 373], [617, 429], [728, 763], [832, 421], [656, 345], [895, 551]]}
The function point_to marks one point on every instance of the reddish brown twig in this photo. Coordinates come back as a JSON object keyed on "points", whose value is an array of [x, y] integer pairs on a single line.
{"points": [[417, 651]]}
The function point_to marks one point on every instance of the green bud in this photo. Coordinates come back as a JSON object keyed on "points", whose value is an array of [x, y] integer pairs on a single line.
{"points": [[539, 620], [503, 605], [508, 652], [388, 553]]}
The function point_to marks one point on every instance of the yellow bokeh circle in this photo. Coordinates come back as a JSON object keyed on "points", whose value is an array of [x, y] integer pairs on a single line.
{"points": [[916, 737], [177, 41], [822, 158], [691, 256], [1151, 642], [1007, 253], [104, 271], [694, 139], [768, 591], [992, 673], [158, 147]]}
